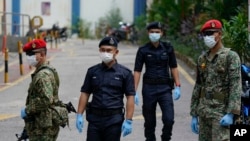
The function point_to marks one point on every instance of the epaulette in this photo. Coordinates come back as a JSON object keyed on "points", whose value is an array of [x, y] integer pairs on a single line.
{"points": [[95, 67], [124, 67]]}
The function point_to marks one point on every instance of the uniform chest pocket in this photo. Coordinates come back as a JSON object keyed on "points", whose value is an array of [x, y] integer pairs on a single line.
{"points": [[221, 64], [164, 57], [95, 82], [150, 57], [116, 82]]}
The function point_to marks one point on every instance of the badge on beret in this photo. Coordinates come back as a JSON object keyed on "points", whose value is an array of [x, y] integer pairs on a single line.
{"points": [[159, 24], [33, 45], [111, 41], [212, 24]]}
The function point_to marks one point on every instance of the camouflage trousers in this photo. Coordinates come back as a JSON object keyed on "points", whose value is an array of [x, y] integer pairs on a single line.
{"points": [[43, 138], [211, 130]]}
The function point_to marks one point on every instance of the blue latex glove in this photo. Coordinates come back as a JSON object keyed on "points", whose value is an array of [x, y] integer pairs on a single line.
{"points": [[136, 99], [23, 113], [245, 110], [127, 127], [79, 122], [227, 120], [194, 125], [177, 93]]}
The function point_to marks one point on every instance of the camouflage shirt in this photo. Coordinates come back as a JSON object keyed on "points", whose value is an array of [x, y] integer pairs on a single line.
{"points": [[43, 90], [42, 94], [217, 90]]}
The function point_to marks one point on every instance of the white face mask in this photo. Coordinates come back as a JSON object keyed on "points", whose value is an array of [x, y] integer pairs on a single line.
{"points": [[106, 57], [32, 60], [209, 41], [154, 37]]}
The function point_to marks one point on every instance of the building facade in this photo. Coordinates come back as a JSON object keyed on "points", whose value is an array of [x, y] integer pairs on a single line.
{"points": [[65, 12]]}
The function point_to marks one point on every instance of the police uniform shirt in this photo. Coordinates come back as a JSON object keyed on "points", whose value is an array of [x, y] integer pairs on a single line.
{"points": [[157, 60], [108, 85]]}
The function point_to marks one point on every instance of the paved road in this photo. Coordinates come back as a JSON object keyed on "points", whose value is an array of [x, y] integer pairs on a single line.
{"points": [[72, 59]]}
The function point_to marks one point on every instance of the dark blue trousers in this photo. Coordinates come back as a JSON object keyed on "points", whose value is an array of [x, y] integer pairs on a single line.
{"points": [[161, 94], [104, 128]]}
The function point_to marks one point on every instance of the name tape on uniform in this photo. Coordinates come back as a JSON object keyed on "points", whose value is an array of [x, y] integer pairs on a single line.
{"points": [[239, 132]]}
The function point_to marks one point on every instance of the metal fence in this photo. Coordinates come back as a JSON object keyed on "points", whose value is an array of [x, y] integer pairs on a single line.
{"points": [[14, 24]]}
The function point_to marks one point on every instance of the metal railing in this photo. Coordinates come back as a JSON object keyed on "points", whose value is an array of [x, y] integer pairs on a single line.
{"points": [[8, 27]]}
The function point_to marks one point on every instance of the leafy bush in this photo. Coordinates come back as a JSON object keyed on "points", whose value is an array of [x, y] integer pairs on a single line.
{"points": [[236, 34], [111, 20], [83, 29]]}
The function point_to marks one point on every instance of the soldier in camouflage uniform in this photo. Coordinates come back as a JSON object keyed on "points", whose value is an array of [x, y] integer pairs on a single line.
{"points": [[42, 93], [216, 96]]}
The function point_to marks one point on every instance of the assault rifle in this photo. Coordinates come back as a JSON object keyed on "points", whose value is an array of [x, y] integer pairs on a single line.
{"points": [[70, 107], [24, 136]]}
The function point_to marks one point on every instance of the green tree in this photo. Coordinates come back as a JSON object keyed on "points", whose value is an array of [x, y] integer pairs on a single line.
{"points": [[82, 27], [236, 33], [113, 17], [109, 21]]}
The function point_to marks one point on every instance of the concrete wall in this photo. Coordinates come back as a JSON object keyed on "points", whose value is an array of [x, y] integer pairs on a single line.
{"points": [[12, 42], [59, 11]]}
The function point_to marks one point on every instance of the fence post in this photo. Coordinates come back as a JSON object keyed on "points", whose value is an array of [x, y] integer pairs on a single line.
{"points": [[20, 51], [52, 38], [29, 40], [56, 39], [6, 57]]}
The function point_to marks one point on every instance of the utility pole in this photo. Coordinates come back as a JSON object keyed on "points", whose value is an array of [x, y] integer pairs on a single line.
{"points": [[4, 16]]}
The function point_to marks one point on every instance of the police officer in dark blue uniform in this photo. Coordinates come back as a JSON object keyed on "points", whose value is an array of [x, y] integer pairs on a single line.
{"points": [[108, 82], [158, 82]]}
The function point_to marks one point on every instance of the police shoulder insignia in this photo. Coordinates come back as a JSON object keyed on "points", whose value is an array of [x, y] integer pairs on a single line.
{"points": [[111, 41], [159, 24]]}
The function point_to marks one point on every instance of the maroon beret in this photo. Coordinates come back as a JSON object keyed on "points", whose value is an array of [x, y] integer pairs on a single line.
{"points": [[211, 24], [34, 45]]}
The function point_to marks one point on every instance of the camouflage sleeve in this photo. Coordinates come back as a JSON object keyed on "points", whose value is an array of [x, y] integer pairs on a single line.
{"points": [[195, 95], [235, 84], [42, 94]]}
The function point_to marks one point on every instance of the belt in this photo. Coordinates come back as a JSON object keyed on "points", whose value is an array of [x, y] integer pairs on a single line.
{"points": [[105, 112], [156, 81], [209, 95]]}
